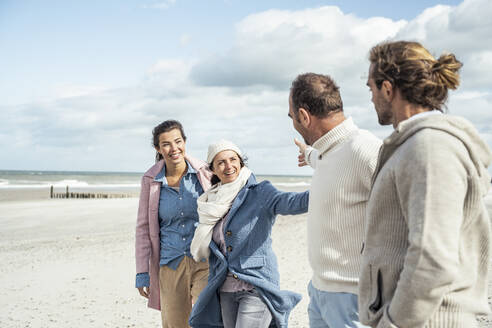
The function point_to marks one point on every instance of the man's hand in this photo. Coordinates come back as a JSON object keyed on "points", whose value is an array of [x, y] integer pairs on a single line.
{"points": [[301, 159], [144, 291]]}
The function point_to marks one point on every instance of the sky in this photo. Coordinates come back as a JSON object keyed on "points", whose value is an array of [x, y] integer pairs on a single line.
{"points": [[82, 83]]}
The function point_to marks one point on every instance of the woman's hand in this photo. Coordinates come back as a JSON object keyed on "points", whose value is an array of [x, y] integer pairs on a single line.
{"points": [[301, 159], [144, 291]]}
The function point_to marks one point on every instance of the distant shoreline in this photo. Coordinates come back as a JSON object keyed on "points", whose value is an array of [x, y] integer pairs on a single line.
{"points": [[2, 171], [28, 184], [42, 192]]}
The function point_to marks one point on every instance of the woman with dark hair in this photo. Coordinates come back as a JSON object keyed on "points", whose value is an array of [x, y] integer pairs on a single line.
{"points": [[236, 219], [167, 216]]}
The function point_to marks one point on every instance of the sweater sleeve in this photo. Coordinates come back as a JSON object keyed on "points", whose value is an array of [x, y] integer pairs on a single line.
{"points": [[431, 182], [142, 237], [368, 159], [142, 280], [311, 156], [284, 203]]}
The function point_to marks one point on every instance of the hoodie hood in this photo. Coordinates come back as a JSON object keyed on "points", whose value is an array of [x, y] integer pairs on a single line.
{"points": [[479, 151]]}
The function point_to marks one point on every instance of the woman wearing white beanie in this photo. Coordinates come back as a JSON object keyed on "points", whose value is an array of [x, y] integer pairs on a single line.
{"points": [[235, 221]]}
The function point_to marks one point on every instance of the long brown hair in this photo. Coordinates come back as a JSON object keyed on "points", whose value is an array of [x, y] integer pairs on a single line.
{"points": [[165, 126], [410, 67]]}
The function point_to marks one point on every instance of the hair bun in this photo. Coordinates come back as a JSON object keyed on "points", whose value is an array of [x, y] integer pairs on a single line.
{"points": [[436, 67], [446, 68], [450, 62]]}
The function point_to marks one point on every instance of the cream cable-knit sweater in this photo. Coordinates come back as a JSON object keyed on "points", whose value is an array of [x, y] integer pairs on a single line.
{"points": [[344, 160]]}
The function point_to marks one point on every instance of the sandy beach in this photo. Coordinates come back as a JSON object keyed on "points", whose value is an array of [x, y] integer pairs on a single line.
{"points": [[70, 263]]}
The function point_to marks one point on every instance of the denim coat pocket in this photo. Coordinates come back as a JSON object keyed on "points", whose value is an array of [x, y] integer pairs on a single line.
{"points": [[250, 262]]}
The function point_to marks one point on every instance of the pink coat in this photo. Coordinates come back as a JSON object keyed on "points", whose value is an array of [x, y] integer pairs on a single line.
{"points": [[147, 242]]}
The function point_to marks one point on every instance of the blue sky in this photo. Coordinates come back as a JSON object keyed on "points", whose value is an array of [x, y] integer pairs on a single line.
{"points": [[111, 43], [82, 83]]}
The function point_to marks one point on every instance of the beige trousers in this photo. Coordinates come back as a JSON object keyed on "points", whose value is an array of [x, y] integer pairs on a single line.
{"points": [[179, 290]]}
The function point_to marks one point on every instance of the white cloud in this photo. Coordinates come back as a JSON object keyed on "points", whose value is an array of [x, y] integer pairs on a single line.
{"points": [[160, 5], [470, 95], [433, 21], [465, 31], [184, 39], [274, 46], [477, 69], [462, 30], [242, 94], [72, 90]]}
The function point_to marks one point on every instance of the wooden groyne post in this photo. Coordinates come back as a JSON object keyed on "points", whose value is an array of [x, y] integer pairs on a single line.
{"points": [[68, 194]]}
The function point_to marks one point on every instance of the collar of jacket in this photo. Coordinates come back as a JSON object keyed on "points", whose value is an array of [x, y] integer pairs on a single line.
{"points": [[196, 164], [241, 196], [455, 126]]}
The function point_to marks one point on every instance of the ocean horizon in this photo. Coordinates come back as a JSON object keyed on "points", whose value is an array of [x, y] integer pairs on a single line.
{"points": [[35, 179]]}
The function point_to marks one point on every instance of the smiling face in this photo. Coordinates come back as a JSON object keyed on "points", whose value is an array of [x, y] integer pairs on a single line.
{"points": [[226, 166], [381, 105], [171, 147]]}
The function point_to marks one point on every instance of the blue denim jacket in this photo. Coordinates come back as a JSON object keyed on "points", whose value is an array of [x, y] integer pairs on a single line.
{"points": [[177, 220], [249, 254]]}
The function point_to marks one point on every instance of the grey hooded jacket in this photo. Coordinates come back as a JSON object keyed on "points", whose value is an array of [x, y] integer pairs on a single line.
{"points": [[427, 242]]}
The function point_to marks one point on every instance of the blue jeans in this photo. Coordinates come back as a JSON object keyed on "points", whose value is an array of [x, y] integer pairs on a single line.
{"points": [[244, 309], [332, 310]]}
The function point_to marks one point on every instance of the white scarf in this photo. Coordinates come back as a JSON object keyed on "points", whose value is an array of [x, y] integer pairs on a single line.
{"points": [[213, 206]]}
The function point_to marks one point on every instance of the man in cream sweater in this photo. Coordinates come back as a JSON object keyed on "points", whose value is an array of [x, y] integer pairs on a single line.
{"points": [[344, 158], [427, 244]]}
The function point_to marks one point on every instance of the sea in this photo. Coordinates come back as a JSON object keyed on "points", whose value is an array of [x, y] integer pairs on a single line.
{"points": [[39, 182]]}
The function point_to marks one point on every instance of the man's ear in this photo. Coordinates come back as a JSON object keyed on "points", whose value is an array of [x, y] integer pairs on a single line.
{"points": [[304, 117], [388, 90]]}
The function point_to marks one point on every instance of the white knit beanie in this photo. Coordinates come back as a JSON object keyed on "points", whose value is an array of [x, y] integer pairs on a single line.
{"points": [[219, 146]]}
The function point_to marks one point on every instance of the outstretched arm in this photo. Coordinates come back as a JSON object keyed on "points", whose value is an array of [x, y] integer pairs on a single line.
{"points": [[284, 203], [307, 154]]}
